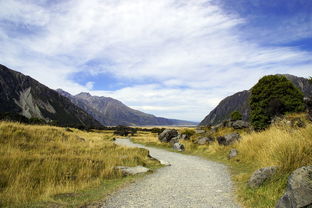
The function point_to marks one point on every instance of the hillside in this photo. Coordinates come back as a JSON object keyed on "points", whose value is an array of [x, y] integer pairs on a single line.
{"points": [[239, 102], [109, 111], [22, 95]]}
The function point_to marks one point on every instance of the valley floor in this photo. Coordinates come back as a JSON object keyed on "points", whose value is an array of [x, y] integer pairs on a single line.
{"points": [[190, 181]]}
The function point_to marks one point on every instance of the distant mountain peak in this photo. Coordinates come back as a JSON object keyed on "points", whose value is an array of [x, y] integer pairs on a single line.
{"points": [[83, 95], [109, 111]]}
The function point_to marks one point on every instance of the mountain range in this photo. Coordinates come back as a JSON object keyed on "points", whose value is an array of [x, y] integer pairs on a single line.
{"points": [[24, 96], [112, 112], [240, 102]]}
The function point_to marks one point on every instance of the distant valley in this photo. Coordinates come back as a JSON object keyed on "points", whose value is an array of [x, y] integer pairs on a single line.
{"points": [[22, 95], [112, 112]]}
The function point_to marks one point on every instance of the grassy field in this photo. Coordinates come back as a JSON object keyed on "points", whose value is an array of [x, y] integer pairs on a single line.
{"points": [[282, 146], [43, 165]]}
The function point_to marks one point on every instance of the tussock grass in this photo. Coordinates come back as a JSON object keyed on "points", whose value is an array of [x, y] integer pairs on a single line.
{"points": [[38, 162], [281, 145]]}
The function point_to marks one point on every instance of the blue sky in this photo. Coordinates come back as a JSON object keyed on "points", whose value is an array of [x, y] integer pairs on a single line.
{"points": [[172, 58]]}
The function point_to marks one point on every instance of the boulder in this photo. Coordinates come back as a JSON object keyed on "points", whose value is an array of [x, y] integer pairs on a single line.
{"points": [[228, 139], [167, 135], [174, 140], [205, 140], [178, 146], [232, 153], [240, 124], [132, 170], [260, 176], [299, 189]]}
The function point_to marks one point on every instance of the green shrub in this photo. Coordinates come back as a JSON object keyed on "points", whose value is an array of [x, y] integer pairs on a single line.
{"points": [[235, 115], [273, 95]]}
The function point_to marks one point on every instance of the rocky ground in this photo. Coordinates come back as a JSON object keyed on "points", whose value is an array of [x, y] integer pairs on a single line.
{"points": [[190, 181]]}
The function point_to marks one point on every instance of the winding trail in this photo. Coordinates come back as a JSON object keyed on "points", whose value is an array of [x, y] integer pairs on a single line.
{"points": [[190, 181]]}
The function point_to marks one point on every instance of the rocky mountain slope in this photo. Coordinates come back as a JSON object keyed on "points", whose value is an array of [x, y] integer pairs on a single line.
{"points": [[239, 102], [111, 112], [22, 95]]}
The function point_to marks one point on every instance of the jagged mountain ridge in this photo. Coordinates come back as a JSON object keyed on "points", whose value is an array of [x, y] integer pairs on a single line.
{"points": [[111, 112], [23, 95], [239, 102]]}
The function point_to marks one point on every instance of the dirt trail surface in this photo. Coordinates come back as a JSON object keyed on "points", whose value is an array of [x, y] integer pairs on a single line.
{"points": [[190, 181]]}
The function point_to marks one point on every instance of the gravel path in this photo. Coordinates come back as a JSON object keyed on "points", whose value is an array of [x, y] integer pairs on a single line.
{"points": [[190, 181]]}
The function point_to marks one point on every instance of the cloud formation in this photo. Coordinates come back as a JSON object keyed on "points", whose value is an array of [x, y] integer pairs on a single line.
{"points": [[175, 58]]}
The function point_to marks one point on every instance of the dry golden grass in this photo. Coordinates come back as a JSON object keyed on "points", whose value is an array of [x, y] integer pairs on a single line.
{"points": [[37, 162], [281, 145]]}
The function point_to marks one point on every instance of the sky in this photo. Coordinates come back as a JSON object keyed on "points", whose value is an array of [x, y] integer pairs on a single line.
{"points": [[172, 58]]}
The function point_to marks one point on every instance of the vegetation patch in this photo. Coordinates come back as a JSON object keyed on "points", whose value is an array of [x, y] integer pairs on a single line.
{"points": [[280, 145], [44, 163]]}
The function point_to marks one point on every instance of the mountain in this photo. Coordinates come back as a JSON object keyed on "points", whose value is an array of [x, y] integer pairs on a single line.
{"points": [[23, 95], [239, 102], [112, 112]]}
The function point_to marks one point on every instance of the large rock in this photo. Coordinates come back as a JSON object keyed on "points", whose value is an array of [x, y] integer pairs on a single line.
{"points": [[132, 170], [232, 153], [205, 140], [260, 176], [239, 124], [299, 189], [178, 146], [228, 139], [167, 135]]}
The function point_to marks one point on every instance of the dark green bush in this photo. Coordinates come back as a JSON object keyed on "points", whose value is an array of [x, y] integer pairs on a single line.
{"points": [[235, 115], [272, 96]]}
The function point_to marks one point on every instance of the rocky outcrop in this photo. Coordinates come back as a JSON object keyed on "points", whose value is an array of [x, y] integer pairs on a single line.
{"points": [[239, 102], [167, 135], [240, 124], [236, 102], [260, 176], [112, 112], [299, 189], [228, 139], [22, 95]]}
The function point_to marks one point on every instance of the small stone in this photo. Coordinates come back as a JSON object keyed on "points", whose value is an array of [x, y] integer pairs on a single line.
{"points": [[178, 146], [232, 153]]}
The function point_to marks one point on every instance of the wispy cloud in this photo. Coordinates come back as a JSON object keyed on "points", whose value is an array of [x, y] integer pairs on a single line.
{"points": [[180, 56]]}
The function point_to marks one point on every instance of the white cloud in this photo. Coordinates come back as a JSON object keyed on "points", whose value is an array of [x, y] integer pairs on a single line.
{"points": [[189, 48]]}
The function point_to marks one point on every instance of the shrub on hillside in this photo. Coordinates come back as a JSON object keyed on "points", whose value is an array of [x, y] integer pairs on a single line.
{"points": [[157, 130], [272, 96], [236, 115]]}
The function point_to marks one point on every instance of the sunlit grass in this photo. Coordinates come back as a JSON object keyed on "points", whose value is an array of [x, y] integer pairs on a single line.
{"points": [[281, 145], [38, 162]]}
